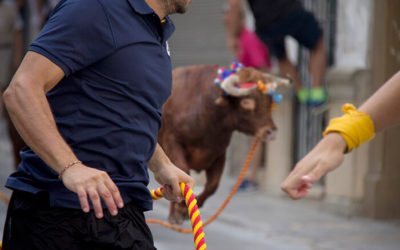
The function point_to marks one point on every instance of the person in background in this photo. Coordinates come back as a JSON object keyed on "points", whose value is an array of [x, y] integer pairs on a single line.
{"points": [[345, 134], [251, 52], [276, 19], [87, 100]]}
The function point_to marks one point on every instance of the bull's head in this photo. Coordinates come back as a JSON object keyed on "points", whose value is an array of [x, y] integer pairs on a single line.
{"points": [[251, 95]]}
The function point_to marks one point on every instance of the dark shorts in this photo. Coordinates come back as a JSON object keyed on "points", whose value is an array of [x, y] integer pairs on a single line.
{"points": [[300, 24], [32, 224]]}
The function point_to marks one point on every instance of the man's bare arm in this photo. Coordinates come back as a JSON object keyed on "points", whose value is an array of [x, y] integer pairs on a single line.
{"points": [[30, 112]]}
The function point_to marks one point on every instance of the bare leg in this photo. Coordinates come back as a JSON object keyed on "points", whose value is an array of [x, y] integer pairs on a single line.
{"points": [[255, 164], [317, 63], [286, 68]]}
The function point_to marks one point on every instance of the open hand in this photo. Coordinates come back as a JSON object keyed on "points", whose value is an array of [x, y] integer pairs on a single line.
{"points": [[97, 184]]}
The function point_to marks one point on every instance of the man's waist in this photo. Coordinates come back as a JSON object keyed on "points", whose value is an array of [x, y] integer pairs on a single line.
{"points": [[57, 195]]}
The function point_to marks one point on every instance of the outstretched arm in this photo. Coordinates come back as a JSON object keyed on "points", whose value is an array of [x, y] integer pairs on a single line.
{"points": [[168, 175], [383, 107], [30, 112]]}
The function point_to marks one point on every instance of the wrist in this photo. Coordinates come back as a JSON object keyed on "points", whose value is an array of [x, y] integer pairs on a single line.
{"points": [[337, 141], [158, 160], [67, 166], [157, 165]]}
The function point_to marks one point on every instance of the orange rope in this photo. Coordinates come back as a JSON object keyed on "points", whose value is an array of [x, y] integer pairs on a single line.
{"points": [[222, 207], [188, 230]]}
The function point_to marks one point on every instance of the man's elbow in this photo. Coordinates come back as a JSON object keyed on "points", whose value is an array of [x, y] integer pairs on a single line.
{"points": [[10, 95]]}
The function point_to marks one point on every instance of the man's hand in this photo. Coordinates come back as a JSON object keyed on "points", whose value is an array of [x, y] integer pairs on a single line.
{"points": [[86, 181], [168, 175], [325, 157]]}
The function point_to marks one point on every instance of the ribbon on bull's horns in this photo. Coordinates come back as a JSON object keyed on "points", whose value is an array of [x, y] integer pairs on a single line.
{"points": [[224, 73], [226, 78]]}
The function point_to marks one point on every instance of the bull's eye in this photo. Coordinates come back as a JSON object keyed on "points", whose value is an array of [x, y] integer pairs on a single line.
{"points": [[248, 104]]}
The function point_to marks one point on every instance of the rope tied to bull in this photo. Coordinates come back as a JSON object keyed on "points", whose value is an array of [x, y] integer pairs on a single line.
{"points": [[191, 202], [221, 208]]}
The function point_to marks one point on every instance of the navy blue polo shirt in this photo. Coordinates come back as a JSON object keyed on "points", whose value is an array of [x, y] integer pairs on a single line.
{"points": [[108, 105]]}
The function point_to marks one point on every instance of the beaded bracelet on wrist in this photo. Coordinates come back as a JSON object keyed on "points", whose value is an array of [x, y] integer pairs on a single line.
{"points": [[68, 166]]}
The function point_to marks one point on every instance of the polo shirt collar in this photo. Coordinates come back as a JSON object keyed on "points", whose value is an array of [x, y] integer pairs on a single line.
{"points": [[141, 7]]}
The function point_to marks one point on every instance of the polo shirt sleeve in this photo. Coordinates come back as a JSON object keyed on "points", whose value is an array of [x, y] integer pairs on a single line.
{"points": [[77, 35]]}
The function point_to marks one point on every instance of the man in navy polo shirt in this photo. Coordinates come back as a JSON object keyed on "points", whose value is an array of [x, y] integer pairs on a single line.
{"points": [[87, 100]]}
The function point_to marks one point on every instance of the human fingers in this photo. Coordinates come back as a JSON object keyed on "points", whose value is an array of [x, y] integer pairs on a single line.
{"points": [[298, 184], [108, 199], [82, 195], [169, 194], [176, 191], [295, 186], [302, 191], [296, 191], [115, 193], [322, 167], [189, 181], [95, 199]]}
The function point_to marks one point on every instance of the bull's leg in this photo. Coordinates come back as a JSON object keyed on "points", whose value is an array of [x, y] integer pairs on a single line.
{"points": [[178, 211], [213, 175]]}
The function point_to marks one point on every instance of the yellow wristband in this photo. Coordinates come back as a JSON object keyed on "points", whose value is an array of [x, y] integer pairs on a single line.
{"points": [[355, 126]]}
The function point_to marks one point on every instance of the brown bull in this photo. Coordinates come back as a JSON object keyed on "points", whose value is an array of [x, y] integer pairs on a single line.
{"points": [[200, 117]]}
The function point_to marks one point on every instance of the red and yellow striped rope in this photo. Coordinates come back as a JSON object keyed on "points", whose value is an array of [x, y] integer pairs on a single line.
{"points": [[193, 211]]}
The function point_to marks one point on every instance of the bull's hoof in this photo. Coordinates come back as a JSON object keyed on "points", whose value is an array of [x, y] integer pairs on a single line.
{"points": [[178, 217]]}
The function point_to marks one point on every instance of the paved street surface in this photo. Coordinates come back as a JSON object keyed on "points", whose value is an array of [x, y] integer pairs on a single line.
{"points": [[255, 221]]}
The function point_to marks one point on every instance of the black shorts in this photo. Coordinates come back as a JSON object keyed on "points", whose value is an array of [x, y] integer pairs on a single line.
{"points": [[32, 224], [300, 24]]}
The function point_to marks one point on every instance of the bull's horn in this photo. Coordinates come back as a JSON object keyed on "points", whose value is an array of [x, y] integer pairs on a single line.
{"points": [[280, 81], [229, 85]]}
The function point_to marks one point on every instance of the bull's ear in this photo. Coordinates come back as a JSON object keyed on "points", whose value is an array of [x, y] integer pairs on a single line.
{"points": [[248, 104], [221, 101]]}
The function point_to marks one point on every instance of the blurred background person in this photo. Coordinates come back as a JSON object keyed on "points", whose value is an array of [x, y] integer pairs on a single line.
{"points": [[251, 52], [274, 20]]}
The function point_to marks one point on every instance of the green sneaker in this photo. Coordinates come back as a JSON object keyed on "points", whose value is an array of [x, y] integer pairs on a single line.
{"points": [[303, 95], [318, 96]]}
